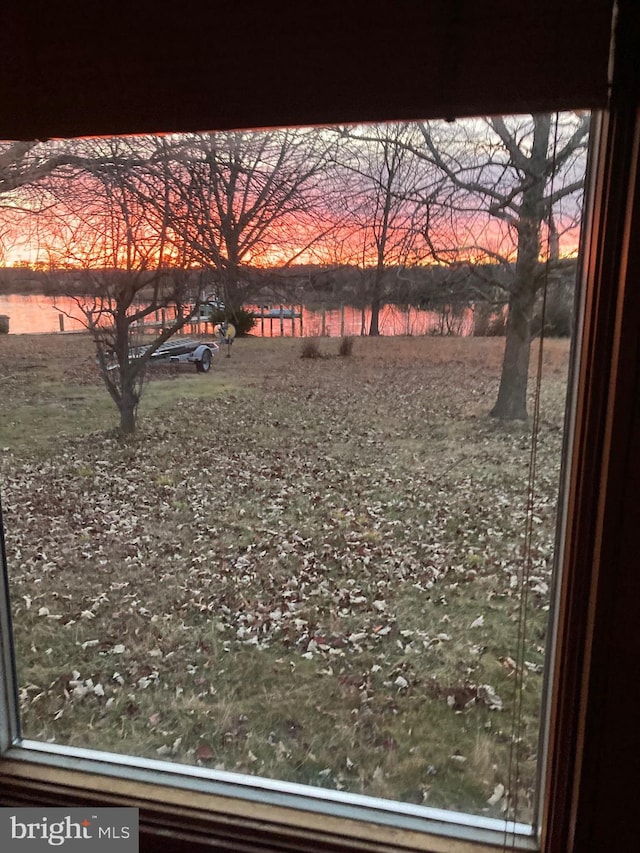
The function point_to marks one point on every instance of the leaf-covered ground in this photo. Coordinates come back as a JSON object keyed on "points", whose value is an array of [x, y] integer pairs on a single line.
{"points": [[310, 570]]}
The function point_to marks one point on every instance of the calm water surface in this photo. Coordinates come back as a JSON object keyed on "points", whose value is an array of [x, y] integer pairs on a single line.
{"points": [[37, 314]]}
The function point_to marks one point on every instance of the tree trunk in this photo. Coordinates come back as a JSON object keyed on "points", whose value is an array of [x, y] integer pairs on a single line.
{"points": [[128, 408], [376, 297], [512, 394], [231, 290], [374, 325]]}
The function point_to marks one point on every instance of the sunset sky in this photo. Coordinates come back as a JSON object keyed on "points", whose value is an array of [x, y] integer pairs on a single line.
{"points": [[339, 222]]}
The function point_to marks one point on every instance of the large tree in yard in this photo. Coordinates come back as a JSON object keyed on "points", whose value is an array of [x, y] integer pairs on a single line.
{"points": [[241, 199], [516, 173], [130, 270]]}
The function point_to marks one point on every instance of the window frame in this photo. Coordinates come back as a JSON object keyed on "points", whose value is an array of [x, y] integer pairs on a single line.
{"points": [[591, 740], [593, 610]]}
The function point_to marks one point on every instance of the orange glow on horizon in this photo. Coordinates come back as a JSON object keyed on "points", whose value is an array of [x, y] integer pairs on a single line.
{"points": [[72, 244]]}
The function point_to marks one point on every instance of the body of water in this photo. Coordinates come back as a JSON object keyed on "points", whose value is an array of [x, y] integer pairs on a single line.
{"points": [[37, 314]]}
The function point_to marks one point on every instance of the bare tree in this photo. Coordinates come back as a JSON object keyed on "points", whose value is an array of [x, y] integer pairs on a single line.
{"points": [[149, 219], [382, 180], [23, 166], [24, 162], [514, 173], [241, 199], [130, 268]]}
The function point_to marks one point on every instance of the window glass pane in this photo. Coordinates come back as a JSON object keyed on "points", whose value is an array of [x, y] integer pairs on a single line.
{"points": [[320, 549]]}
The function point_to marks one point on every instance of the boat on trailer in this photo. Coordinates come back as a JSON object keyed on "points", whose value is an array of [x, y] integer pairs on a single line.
{"points": [[184, 351]]}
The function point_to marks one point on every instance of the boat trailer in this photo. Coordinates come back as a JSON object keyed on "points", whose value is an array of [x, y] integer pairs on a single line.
{"points": [[185, 351]]}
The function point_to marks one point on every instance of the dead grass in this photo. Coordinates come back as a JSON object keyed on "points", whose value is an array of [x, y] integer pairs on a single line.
{"points": [[303, 569]]}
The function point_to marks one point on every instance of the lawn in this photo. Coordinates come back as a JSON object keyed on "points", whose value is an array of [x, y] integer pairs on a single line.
{"points": [[312, 570]]}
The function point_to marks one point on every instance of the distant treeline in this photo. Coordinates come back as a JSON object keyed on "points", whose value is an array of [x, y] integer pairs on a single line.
{"points": [[431, 287], [419, 286]]}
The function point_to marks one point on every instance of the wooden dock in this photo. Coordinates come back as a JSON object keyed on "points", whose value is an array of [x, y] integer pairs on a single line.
{"points": [[281, 314]]}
